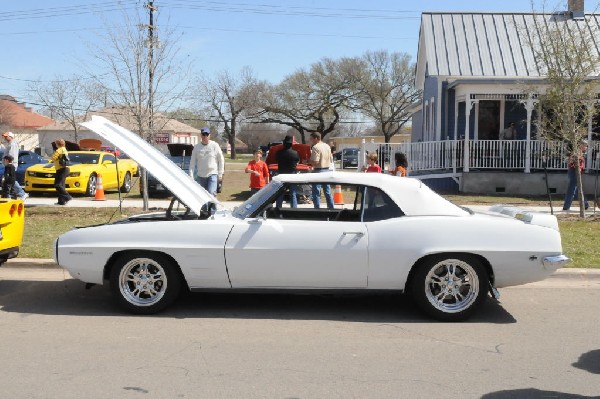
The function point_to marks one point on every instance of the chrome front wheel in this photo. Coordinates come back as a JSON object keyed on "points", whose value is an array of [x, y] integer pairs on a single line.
{"points": [[145, 284]]}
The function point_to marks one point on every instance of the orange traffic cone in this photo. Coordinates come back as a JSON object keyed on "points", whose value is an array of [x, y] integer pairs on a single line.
{"points": [[338, 197], [99, 189]]}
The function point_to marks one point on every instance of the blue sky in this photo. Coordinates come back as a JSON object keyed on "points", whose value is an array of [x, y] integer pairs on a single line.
{"points": [[42, 39]]}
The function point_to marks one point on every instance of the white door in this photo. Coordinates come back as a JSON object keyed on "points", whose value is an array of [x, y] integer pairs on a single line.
{"points": [[277, 253]]}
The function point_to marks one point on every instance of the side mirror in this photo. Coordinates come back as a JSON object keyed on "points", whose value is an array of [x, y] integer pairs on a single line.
{"points": [[212, 209]]}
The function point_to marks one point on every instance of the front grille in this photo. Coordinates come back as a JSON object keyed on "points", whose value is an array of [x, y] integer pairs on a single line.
{"points": [[45, 175]]}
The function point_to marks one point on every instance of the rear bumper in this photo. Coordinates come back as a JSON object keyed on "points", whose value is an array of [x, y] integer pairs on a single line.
{"points": [[555, 262], [8, 253]]}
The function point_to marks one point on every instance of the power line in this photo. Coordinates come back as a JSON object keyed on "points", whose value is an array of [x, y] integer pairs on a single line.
{"points": [[53, 12], [298, 34], [273, 9]]}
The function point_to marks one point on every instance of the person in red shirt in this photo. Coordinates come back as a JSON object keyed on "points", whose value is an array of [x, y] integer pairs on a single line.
{"points": [[259, 172], [372, 161]]}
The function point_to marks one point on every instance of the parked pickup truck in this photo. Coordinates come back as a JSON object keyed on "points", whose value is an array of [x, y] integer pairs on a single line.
{"points": [[12, 222]]}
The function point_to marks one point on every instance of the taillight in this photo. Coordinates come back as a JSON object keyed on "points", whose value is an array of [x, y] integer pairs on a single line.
{"points": [[12, 210], [20, 209]]}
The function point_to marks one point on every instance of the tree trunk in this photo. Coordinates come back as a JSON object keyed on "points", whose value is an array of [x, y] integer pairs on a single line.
{"points": [[580, 193], [232, 145]]}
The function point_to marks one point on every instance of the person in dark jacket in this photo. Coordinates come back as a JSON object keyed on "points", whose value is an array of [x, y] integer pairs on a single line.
{"points": [[9, 177], [287, 161]]}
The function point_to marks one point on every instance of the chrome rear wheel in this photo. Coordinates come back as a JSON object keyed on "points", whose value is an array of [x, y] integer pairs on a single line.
{"points": [[450, 287]]}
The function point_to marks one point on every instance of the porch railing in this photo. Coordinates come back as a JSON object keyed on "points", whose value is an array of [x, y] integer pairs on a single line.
{"points": [[483, 154]]}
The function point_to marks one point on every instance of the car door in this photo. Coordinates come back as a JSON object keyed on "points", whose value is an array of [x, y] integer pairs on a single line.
{"points": [[276, 253], [108, 170]]}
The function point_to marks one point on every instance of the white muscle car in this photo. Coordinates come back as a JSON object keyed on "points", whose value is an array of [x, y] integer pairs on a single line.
{"points": [[385, 233]]}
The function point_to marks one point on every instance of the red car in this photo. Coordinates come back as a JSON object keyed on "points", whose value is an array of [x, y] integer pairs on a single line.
{"points": [[303, 152]]}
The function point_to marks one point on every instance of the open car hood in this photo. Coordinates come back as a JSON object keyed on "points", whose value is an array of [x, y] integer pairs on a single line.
{"points": [[170, 175]]}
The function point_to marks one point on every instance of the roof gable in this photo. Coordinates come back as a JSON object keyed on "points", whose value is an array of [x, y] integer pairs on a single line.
{"points": [[18, 116], [487, 44]]}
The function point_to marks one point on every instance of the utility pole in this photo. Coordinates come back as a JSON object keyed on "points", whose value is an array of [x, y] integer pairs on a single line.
{"points": [[150, 7], [150, 135]]}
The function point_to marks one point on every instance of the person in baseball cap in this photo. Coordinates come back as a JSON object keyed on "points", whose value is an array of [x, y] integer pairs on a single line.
{"points": [[8, 134]]}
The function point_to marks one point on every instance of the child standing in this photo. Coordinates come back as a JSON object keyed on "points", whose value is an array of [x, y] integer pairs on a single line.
{"points": [[9, 177], [372, 161], [401, 165], [259, 172]]}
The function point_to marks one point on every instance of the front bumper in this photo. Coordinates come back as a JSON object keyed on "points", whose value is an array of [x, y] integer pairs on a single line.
{"points": [[555, 262], [75, 185]]}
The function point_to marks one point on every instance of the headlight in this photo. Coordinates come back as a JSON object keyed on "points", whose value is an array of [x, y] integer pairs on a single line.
{"points": [[74, 174], [31, 173]]}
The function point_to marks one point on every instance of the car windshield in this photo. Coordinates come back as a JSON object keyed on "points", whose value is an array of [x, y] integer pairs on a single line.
{"points": [[259, 198], [351, 151], [77, 157]]}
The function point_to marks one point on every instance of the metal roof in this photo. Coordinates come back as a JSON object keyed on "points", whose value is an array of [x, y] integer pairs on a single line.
{"points": [[477, 44]]}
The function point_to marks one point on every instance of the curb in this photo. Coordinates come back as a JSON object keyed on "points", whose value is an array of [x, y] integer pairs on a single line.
{"points": [[30, 263]]}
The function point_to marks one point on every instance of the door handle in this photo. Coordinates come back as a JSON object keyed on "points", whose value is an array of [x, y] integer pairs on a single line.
{"points": [[356, 233]]}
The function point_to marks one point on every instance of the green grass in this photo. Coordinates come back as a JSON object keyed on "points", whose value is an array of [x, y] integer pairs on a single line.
{"points": [[581, 240], [44, 224]]}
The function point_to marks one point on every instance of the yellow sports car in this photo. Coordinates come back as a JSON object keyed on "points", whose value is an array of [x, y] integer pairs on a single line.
{"points": [[12, 221], [84, 169]]}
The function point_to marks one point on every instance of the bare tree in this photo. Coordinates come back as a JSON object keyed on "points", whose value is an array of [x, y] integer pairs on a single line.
{"points": [[309, 101], [193, 118], [70, 99], [569, 62], [384, 83], [141, 72], [230, 98], [255, 135]]}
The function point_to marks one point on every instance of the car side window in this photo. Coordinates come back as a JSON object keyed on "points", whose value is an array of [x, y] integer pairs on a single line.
{"points": [[377, 205], [109, 158], [346, 199]]}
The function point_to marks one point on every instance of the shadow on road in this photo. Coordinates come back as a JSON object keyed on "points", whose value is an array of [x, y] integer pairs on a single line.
{"points": [[69, 297], [589, 361], [532, 393]]}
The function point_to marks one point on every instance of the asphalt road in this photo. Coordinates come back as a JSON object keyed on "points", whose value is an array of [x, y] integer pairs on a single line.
{"points": [[58, 340]]}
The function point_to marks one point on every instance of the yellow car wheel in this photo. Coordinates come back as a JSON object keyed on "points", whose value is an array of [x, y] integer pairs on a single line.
{"points": [[90, 191], [126, 187]]}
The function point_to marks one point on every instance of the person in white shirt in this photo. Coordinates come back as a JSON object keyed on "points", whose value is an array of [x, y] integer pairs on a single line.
{"points": [[510, 133], [13, 149], [207, 164]]}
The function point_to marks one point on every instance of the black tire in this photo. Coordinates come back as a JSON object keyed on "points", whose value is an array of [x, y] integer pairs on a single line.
{"points": [[126, 187], [90, 190], [145, 283], [450, 287]]}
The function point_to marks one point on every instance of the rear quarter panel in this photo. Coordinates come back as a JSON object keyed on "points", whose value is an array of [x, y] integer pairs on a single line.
{"points": [[513, 249]]}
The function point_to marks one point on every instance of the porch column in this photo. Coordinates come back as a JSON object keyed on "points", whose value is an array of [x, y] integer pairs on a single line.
{"points": [[466, 157], [455, 141], [529, 108]]}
